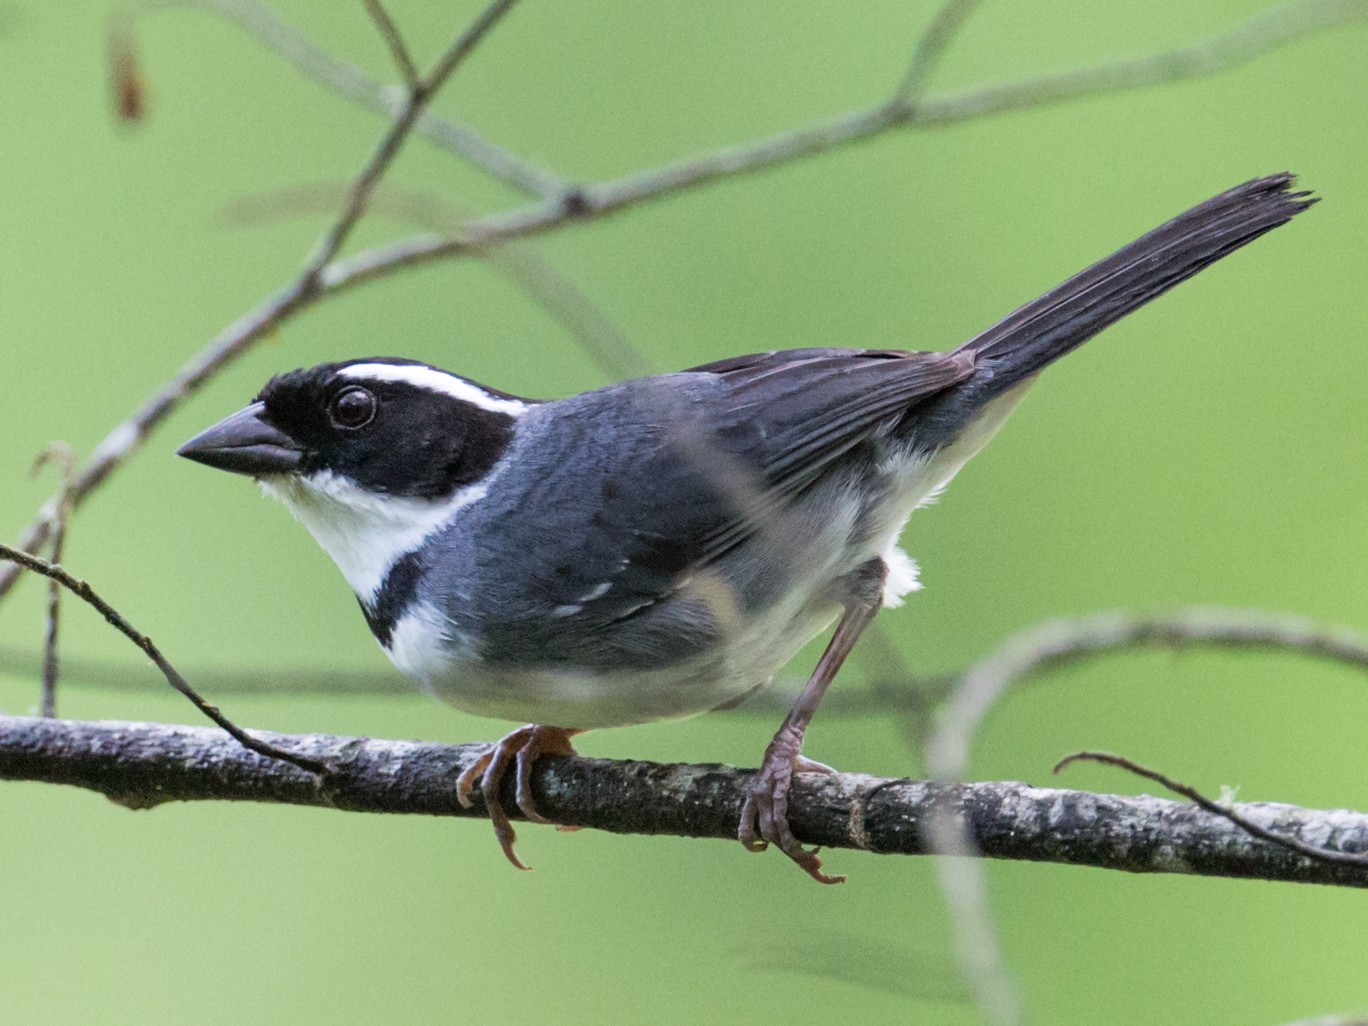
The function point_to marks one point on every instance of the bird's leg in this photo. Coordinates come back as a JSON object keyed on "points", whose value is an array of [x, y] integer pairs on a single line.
{"points": [[523, 747], [764, 815]]}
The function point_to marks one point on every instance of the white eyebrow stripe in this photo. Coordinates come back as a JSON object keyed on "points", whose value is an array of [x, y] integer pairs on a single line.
{"points": [[434, 380]]}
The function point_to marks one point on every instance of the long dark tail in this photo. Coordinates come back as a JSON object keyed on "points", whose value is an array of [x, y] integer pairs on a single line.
{"points": [[1067, 316]]}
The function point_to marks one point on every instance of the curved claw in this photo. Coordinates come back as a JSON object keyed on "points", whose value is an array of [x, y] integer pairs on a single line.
{"points": [[520, 748], [764, 814], [465, 783]]}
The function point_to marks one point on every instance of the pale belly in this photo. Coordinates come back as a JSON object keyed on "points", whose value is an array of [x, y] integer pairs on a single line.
{"points": [[578, 698]]}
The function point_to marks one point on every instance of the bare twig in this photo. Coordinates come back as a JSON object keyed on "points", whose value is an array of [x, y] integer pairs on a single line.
{"points": [[143, 764], [419, 97], [115, 619], [350, 82], [1243, 43], [1222, 809], [931, 48], [59, 453], [588, 324], [1060, 642], [399, 51]]}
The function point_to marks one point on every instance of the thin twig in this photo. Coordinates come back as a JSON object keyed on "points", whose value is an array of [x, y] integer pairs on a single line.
{"points": [[145, 764], [419, 97], [931, 48], [399, 51], [1311, 851], [59, 453], [1245, 42], [1239, 45], [348, 81], [1242, 44], [115, 619], [590, 326]]}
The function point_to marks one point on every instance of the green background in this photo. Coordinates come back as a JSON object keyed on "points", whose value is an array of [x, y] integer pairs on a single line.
{"points": [[1209, 449]]}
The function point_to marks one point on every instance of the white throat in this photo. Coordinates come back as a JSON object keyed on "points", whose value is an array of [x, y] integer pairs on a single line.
{"points": [[363, 532]]}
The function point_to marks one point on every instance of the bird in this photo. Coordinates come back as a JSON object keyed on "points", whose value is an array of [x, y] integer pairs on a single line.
{"points": [[661, 546]]}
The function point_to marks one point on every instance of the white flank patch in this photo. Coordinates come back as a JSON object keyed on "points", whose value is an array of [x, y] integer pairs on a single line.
{"points": [[902, 575], [422, 645], [364, 533], [597, 591], [436, 381]]}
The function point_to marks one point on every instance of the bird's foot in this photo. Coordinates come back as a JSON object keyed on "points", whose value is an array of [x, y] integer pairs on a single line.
{"points": [[521, 748], [764, 815]]}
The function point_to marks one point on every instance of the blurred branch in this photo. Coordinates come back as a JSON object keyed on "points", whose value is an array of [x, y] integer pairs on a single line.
{"points": [[399, 51], [1052, 645], [60, 454], [326, 276], [141, 765], [890, 691], [931, 47], [588, 324], [419, 96], [974, 935], [348, 81], [1061, 642], [1244, 43]]}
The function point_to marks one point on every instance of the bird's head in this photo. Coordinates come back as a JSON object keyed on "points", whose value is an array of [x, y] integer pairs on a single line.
{"points": [[371, 455]]}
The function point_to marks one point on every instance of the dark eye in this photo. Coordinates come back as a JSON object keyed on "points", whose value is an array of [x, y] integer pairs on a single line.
{"points": [[352, 408]]}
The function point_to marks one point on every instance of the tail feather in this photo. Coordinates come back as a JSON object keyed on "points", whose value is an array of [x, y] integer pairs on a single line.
{"points": [[1067, 316]]}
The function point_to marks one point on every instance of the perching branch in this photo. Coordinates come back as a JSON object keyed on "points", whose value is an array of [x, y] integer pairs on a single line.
{"points": [[142, 764], [1245, 42]]}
